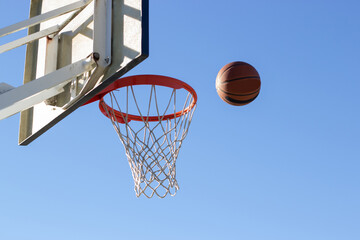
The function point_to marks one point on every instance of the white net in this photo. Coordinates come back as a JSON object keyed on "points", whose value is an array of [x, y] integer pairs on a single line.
{"points": [[152, 143]]}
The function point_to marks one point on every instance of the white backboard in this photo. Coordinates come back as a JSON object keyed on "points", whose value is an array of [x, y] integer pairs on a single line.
{"points": [[79, 38]]}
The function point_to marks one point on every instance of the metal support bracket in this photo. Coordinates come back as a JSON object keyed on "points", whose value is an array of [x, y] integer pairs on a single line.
{"points": [[38, 90], [44, 17]]}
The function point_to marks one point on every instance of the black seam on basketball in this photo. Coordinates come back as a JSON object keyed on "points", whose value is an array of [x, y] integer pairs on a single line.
{"points": [[237, 64], [235, 79], [238, 95], [240, 101]]}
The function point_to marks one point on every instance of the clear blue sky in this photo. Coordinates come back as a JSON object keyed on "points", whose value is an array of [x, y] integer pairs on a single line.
{"points": [[285, 167]]}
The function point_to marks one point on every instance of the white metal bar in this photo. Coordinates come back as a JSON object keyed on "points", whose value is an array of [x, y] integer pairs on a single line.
{"points": [[43, 17], [40, 89], [102, 30], [22, 41], [51, 55]]}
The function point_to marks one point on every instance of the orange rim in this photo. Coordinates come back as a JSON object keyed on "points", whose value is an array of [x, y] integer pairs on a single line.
{"points": [[156, 80]]}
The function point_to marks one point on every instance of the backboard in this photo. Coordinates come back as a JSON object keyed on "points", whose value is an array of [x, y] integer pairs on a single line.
{"points": [[114, 32]]}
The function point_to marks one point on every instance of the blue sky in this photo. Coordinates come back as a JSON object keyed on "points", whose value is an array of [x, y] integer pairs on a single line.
{"points": [[283, 167]]}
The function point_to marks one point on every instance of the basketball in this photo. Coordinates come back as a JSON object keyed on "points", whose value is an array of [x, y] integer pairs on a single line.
{"points": [[238, 83]]}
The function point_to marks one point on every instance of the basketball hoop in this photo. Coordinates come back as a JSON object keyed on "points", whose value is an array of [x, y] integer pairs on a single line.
{"points": [[153, 135]]}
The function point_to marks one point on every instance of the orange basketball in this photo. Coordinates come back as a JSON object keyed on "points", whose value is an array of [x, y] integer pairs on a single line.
{"points": [[238, 83]]}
